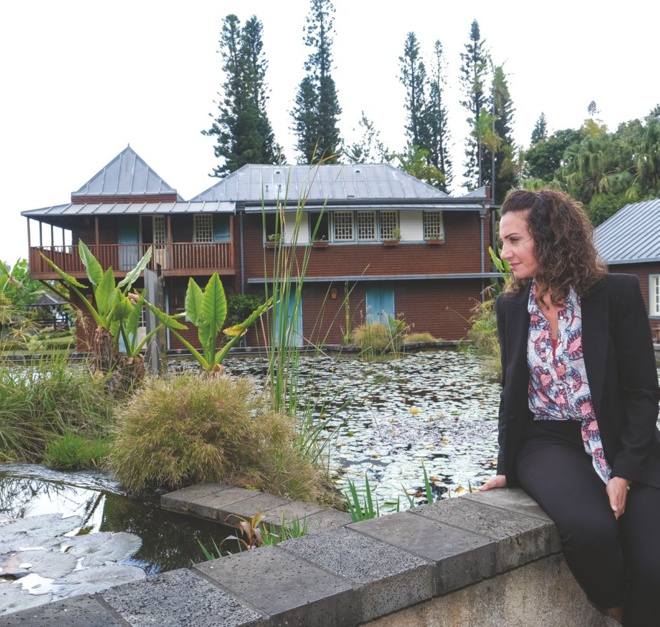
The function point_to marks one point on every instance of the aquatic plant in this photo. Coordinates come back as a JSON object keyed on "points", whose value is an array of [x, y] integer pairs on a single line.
{"points": [[188, 430]]}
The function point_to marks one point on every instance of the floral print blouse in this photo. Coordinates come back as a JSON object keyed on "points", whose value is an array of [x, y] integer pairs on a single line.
{"points": [[558, 386]]}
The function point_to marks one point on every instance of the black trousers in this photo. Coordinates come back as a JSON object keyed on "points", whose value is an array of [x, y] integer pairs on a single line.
{"points": [[615, 562]]}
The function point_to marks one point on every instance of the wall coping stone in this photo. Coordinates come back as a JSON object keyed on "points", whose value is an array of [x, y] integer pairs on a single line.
{"points": [[344, 574]]}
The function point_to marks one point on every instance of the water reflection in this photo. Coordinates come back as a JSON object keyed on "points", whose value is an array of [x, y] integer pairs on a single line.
{"points": [[169, 540]]}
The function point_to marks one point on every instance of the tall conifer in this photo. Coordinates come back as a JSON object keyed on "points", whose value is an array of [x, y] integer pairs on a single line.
{"points": [[437, 121], [316, 111], [242, 129]]}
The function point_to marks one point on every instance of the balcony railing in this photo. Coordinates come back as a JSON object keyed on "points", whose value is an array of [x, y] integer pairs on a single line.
{"points": [[174, 259]]}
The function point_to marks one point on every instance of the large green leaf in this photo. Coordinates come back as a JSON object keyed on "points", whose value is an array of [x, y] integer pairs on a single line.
{"points": [[214, 303], [105, 293], [168, 320], [133, 275], [93, 267], [67, 278], [193, 302]]}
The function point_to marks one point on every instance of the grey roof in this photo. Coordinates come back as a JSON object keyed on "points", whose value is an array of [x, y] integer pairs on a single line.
{"points": [[48, 299], [347, 184], [126, 175], [115, 208], [631, 235]]}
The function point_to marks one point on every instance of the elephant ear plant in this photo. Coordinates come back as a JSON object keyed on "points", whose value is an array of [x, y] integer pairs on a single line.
{"points": [[116, 313], [207, 310]]}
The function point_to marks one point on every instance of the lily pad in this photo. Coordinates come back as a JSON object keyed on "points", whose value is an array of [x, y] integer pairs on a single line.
{"points": [[92, 580], [13, 598], [43, 526], [99, 548], [45, 563]]}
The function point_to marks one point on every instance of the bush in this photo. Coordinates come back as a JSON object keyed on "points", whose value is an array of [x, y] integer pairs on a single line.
{"points": [[45, 399], [372, 338], [76, 452], [483, 334], [189, 430], [420, 338], [239, 308]]}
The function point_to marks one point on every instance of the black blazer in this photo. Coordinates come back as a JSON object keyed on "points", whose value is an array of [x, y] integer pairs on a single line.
{"points": [[621, 370]]}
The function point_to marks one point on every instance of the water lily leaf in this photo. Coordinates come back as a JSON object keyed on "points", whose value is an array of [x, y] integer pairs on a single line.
{"points": [[99, 548], [36, 531], [45, 563], [92, 580], [13, 598]]}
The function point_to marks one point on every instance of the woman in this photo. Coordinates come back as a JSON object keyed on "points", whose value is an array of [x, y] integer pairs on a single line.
{"points": [[579, 405]]}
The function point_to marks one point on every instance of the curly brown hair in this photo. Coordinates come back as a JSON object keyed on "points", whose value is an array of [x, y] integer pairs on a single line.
{"points": [[563, 243]]}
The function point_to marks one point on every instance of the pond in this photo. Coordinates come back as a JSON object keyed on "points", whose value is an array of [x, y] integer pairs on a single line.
{"points": [[64, 534]]}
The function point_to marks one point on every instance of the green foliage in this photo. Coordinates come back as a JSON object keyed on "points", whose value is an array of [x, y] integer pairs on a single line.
{"points": [[242, 129], [189, 430], [43, 400], [361, 505], [207, 310], [316, 111], [372, 338], [240, 307], [76, 452], [540, 131], [415, 161], [370, 148]]}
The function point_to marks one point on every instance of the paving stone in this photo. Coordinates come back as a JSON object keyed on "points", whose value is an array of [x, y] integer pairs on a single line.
{"points": [[180, 598], [218, 505], [521, 538], [290, 510], [326, 519], [259, 504], [83, 611], [513, 499], [385, 577], [288, 589], [460, 557], [179, 500]]}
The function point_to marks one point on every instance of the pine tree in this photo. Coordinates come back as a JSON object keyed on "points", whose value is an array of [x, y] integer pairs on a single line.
{"points": [[437, 121], [473, 77], [370, 148], [242, 129], [501, 153], [540, 131], [316, 111], [413, 77]]}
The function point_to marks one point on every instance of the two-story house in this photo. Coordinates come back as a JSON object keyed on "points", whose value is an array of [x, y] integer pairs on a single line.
{"points": [[389, 244]]}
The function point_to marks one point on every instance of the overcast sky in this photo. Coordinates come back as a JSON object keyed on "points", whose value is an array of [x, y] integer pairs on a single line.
{"points": [[82, 79]]}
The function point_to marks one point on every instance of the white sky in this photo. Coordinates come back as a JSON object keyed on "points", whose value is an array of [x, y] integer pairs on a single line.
{"points": [[83, 78]]}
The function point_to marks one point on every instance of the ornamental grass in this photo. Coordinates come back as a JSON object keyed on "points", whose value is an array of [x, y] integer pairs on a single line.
{"points": [[187, 430]]}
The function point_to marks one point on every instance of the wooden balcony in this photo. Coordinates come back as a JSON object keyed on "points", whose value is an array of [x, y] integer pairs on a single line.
{"points": [[177, 259]]}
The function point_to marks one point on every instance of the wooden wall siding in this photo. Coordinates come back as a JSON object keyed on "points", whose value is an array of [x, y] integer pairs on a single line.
{"points": [[461, 253]]}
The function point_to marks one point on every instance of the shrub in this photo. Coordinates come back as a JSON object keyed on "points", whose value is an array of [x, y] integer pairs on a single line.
{"points": [[43, 400], [372, 338], [419, 338], [240, 306], [188, 430], [483, 334], [76, 452]]}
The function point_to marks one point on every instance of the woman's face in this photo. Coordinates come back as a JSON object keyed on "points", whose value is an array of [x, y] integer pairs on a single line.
{"points": [[518, 244]]}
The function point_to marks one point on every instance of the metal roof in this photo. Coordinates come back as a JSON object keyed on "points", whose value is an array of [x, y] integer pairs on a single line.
{"points": [[126, 175], [631, 235], [143, 208], [325, 183]]}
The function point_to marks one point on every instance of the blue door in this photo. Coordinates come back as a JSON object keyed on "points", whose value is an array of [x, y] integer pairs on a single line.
{"points": [[129, 238], [288, 331], [380, 304]]}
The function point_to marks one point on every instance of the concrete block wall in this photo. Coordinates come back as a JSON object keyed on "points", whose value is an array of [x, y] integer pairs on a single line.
{"points": [[484, 560]]}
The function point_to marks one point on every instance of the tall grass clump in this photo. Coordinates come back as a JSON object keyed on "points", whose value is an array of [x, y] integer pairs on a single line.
{"points": [[375, 338], [44, 399], [188, 430]]}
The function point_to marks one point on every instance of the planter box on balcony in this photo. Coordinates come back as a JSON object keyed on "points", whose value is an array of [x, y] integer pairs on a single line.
{"points": [[434, 242], [320, 244], [390, 243]]}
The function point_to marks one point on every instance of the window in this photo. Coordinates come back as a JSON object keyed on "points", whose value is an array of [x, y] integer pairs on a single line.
{"points": [[654, 295], [433, 228], [389, 222], [343, 226], [159, 234], [203, 227], [319, 226], [366, 225]]}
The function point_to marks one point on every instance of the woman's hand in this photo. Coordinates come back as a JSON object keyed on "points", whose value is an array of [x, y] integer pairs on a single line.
{"points": [[617, 491], [498, 481]]}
